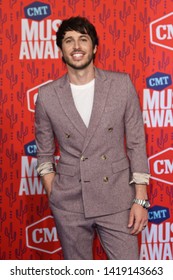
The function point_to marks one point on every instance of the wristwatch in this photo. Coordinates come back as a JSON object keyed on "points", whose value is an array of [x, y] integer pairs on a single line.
{"points": [[144, 203]]}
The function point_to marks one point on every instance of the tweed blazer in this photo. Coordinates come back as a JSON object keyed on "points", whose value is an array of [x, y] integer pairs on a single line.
{"points": [[96, 163]]}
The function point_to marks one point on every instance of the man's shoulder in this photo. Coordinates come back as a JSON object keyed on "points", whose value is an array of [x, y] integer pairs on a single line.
{"points": [[49, 87], [111, 74], [53, 83]]}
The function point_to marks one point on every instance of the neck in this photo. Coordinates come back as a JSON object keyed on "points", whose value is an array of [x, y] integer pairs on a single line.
{"points": [[81, 77]]}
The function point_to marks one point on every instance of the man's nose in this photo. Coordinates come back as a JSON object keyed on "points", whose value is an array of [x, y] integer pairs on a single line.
{"points": [[76, 44]]}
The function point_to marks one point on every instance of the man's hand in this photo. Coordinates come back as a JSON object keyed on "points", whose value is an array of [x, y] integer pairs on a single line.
{"points": [[138, 219]]}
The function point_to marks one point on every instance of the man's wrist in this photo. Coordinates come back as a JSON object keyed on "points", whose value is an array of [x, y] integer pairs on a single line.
{"points": [[143, 202]]}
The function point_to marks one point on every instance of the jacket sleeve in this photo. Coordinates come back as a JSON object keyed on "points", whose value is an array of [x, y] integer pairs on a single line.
{"points": [[44, 135], [134, 132]]}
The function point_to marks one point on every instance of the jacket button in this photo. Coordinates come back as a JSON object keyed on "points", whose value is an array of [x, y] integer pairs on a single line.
{"points": [[67, 135], [82, 158], [105, 179], [110, 129], [103, 157]]}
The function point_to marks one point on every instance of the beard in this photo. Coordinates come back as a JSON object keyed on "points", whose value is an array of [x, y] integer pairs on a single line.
{"points": [[74, 65]]}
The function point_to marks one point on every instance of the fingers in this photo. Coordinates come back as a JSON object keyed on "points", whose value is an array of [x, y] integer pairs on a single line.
{"points": [[131, 220], [138, 219], [138, 227]]}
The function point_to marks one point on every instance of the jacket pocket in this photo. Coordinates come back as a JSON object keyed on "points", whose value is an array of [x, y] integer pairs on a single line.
{"points": [[120, 165], [69, 170]]}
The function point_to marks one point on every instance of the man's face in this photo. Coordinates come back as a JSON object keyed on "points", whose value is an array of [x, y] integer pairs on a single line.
{"points": [[77, 50]]}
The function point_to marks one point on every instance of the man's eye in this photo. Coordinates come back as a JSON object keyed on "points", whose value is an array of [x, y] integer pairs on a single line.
{"points": [[84, 39], [68, 41]]}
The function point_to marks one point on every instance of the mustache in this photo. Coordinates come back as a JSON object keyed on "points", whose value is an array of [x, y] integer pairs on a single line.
{"points": [[77, 51]]}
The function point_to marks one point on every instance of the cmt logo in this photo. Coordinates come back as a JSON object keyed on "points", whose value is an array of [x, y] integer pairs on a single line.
{"points": [[161, 32], [32, 96], [159, 81], [30, 149], [42, 236], [161, 166], [37, 11], [158, 214]]}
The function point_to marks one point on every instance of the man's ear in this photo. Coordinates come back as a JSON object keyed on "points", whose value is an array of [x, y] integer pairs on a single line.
{"points": [[95, 49]]}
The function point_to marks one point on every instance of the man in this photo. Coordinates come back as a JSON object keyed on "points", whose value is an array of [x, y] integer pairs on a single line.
{"points": [[90, 112]]}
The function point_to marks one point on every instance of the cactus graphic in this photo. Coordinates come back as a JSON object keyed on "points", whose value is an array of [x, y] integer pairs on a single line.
{"points": [[53, 3], [164, 62], [12, 116], [21, 94], [11, 195], [13, 78], [62, 13], [22, 133], [162, 140], [103, 17], [12, 2], [54, 74], [3, 217], [11, 234], [3, 139], [114, 32], [112, 67], [33, 71], [154, 4], [124, 13], [3, 99], [3, 19], [20, 251], [21, 212], [161, 185], [3, 178], [124, 53], [11, 36], [72, 4], [95, 4], [152, 47], [103, 56], [134, 37], [153, 194], [134, 3], [135, 74], [144, 59], [3, 60], [144, 19], [42, 207], [11, 155]]}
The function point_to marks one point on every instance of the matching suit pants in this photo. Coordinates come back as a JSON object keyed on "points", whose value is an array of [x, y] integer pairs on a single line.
{"points": [[76, 234]]}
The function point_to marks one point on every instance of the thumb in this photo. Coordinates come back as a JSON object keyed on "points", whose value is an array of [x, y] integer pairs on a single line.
{"points": [[131, 220]]}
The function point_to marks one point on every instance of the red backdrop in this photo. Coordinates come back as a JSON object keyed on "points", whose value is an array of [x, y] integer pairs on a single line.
{"points": [[135, 37]]}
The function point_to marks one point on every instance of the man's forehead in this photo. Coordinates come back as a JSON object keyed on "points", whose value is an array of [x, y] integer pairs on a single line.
{"points": [[73, 33]]}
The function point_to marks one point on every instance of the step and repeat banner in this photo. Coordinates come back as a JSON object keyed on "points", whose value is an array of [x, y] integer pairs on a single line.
{"points": [[135, 37]]}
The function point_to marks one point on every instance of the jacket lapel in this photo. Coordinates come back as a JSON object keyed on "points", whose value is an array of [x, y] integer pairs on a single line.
{"points": [[63, 90], [102, 85], [66, 100]]}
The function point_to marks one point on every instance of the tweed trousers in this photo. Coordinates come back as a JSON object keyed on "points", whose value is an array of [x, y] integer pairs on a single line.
{"points": [[76, 235]]}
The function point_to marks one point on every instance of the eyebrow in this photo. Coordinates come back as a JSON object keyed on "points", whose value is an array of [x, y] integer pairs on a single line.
{"points": [[71, 37]]}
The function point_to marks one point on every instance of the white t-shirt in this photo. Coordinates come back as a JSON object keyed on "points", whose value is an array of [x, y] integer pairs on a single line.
{"points": [[83, 96]]}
